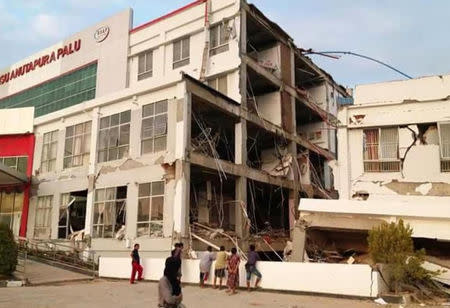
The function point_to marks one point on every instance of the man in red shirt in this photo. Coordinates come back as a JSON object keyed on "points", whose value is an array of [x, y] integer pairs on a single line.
{"points": [[135, 264]]}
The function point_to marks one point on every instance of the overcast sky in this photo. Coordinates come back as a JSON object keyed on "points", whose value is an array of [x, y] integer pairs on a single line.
{"points": [[411, 35]]}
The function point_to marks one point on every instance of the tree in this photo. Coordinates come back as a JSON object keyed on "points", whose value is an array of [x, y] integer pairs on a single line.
{"points": [[392, 244], [8, 251]]}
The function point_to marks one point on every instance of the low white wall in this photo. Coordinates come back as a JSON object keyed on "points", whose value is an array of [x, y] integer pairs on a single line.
{"points": [[337, 279]]}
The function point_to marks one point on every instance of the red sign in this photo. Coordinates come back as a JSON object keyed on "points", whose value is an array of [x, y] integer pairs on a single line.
{"points": [[42, 61]]}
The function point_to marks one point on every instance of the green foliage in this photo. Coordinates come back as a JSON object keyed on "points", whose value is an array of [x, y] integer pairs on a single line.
{"points": [[391, 244], [8, 251]]}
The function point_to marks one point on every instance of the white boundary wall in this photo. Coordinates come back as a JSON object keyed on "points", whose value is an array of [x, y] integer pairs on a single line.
{"points": [[337, 279]]}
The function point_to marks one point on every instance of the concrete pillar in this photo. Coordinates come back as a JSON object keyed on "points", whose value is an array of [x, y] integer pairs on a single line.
{"points": [[135, 131], [131, 210], [298, 243], [182, 166], [91, 173], [241, 182], [55, 216]]}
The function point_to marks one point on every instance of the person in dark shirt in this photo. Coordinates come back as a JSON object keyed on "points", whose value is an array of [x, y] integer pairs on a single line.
{"points": [[172, 269], [135, 264], [250, 267]]}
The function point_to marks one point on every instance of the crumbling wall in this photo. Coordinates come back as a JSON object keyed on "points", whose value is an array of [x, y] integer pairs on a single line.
{"points": [[269, 107]]}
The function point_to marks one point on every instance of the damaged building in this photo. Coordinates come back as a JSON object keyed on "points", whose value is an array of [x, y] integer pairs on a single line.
{"points": [[206, 125], [393, 163]]}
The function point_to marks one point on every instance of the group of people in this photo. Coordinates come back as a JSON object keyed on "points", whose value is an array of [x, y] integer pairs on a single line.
{"points": [[169, 288], [230, 264]]}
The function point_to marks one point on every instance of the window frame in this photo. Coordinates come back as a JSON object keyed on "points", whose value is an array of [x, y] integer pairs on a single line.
{"points": [[214, 83], [113, 202], [381, 164], [47, 210], [16, 165], [148, 223], [444, 161], [49, 162], [221, 32], [182, 61], [118, 147], [147, 73], [84, 135], [153, 116]]}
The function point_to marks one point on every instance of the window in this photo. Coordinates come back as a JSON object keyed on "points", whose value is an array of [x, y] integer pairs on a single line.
{"points": [[43, 217], [11, 210], [77, 145], [18, 163], [181, 52], [57, 94], [154, 127], [49, 150], [72, 213], [145, 65], [219, 84], [114, 136], [444, 136], [381, 150], [218, 37], [150, 209], [109, 211]]}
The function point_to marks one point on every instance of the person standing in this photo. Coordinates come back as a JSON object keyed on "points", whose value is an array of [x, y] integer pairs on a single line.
{"points": [[135, 264], [233, 271], [250, 267], [219, 268], [205, 265]]}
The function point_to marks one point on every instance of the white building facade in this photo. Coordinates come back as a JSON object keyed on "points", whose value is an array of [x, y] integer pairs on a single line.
{"points": [[393, 161], [120, 114]]}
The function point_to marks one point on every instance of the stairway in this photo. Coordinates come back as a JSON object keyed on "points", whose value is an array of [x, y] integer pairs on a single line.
{"points": [[55, 254]]}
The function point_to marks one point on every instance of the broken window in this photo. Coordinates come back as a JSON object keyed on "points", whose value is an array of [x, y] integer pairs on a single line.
{"points": [[49, 150], [150, 209], [77, 145], [145, 65], [219, 37], [114, 136], [42, 225], [72, 213], [181, 52], [154, 127], [444, 135], [381, 150], [109, 211], [219, 84], [11, 210], [18, 163]]}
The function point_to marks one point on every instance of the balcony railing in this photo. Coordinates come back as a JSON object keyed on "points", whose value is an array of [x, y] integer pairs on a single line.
{"points": [[382, 166]]}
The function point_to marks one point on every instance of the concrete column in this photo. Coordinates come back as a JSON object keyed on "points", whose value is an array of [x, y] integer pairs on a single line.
{"points": [[298, 243], [182, 198], [135, 131], [91, 173], [240, 134], [55, 215], [243, 51], [60, 149], [131, 210], [182, 166]]}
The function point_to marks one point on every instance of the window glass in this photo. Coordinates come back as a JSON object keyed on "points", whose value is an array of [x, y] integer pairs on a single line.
{"points": [[77, 145], [150, 209], [63, 92], [154, 127], [49, 151], [114, 136]]}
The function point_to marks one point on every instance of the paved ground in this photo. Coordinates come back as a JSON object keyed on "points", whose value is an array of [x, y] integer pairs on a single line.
{"points": [[109, 294], [40, 273]]}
